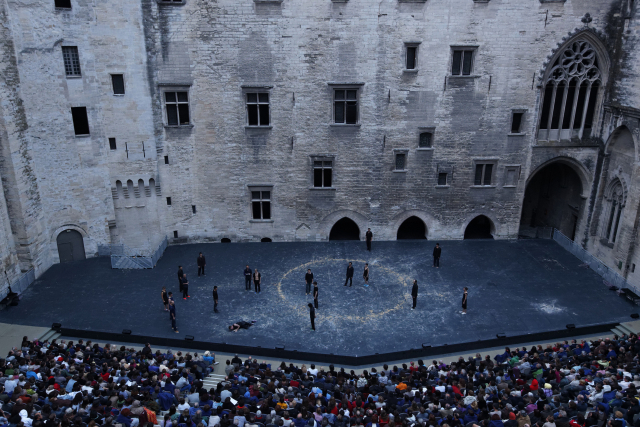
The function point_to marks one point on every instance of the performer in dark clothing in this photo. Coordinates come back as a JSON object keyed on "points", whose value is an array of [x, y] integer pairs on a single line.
{"points": [[464, 301], [241, 325], [308, 279], [365, 275], [414, 294], [247, 278], [180, 274], [312, 316], [368, 237], [215, 299], [436, 255], [185, 287], [349, 275], [201, 263], [256, 281], [172, 315], [165, 299], [315, 294]]}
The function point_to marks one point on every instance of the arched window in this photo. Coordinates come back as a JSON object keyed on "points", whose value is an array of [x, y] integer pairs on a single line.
{"points": [[614, 206], [570, 93]]}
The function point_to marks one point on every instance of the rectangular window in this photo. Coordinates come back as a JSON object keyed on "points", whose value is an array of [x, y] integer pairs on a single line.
{"points": [[258, 109], [345, 106], [425, 140], [322, 173], [462, 62], [175, 234], [442, 178], [117, 81], [511, 175], [411, 57], [516, 122], [261, 204], [63, 4], [177, 105], [112, 143], [71, 60], [80, 120], [168, 201], [401, 159], [166, 160], [193, 208], [483, 174]]}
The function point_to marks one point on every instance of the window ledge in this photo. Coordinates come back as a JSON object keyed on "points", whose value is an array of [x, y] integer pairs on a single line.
{"points": [[473, 76], [339, 1], [425, 149], [171, 3], [259, 127], [410, 71], [400, 171], [73, 77], [86, 135], [118, 94], [340, 125], [323, 188], [443, 186], [260, 220], [267, 1], [412, 1], [63, 9], [483, 186], [517, 134], [509, 186], [178, 126]]}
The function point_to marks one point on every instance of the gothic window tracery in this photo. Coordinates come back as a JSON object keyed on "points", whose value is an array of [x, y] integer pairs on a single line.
{"points": [[615, 204], [570, 93]]}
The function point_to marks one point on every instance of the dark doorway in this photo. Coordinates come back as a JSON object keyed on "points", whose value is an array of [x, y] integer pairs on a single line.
{"points": [[265, 240], [70, 246], [552, 199], [225, 240], [479, 228], [345, 229], [412, 228]]}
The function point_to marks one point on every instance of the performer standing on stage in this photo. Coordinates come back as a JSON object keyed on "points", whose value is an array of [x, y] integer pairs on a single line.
{"points": [[349, 275], [201, 263], [185, 287], [247, 278], [308, 279], [172, 315], [256, 280], [368, 236], [165, 299], [436, 255], [414, 294], [180, 274], [315, 294], [312, 316], [365, 275], [464, 301]]}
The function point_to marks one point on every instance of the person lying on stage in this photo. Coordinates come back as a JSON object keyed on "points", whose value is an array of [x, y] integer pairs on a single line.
{"points": [[241, 324]]}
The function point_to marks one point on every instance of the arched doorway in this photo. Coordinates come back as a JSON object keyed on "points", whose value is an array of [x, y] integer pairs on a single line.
{"points": [[345, 229], [480, 227], [552, 199], [412, 228], [70, 246]]}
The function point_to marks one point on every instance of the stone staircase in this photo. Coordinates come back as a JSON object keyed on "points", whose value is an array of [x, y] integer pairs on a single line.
{"points": [[627, 328], [212, 380], [50, 335]]}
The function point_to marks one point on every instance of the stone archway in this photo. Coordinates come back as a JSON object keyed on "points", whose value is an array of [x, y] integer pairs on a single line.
{"points": [[553, 198], [70, 246], [345, 229], [412, 228], [480, 227]]}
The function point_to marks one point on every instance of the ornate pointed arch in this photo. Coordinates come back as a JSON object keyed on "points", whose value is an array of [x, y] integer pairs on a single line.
{"points": [[571, 85], [617, 189]]}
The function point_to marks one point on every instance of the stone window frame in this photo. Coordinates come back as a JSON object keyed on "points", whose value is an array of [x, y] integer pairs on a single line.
{"points": [[260, 187], [615, 201], [426, 129], [407, 45], [86, 111], [358, 87], [322, 157], [246, 89], [446, 169], [175, 88], [485, 161], [124, 83], [522, 111], [517, 169], [171, 2], [62, 8], [401, 151], [73, 74], [474, 58]]}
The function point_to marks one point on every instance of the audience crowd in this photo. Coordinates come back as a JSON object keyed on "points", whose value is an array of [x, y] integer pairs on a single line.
{"points": [[82, 384]]}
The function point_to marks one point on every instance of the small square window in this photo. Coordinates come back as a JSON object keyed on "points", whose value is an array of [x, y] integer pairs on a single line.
{"points": [[516, 122], [177, 108], [175, 234], [322, 173], [484, 174], [117, 81], [63, 4], [168, 201], [71, 61], [166, 160], [401, 159], [80, 120], [193, 208], [462, 63], [345, 106], [511, 175], [426, 140], [411, 57], [258, 109], [261, 204], [442, 178], [112, 143]]}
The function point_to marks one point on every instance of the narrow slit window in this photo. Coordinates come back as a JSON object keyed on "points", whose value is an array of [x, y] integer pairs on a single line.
{"points": [[193, 209], [71, 61], [411, 57], [166, 160], [175, 234], [80, 120], [112, 144], [442, 178], [258, 109], [516, 122], [117, 82], [168, 201]]}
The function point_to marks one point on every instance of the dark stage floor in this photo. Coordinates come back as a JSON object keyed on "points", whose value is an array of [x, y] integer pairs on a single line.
{"points": [[516, 287]]}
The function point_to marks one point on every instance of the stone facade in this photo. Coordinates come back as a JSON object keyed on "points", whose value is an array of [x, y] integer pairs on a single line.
{"points": [[300, 53]]}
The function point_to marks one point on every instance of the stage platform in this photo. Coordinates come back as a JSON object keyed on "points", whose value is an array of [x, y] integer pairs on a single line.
{"points": [[526, 289]]}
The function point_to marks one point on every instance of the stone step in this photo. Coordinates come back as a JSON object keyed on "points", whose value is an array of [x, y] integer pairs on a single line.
{"points": [[624, 328], [632, 326], [49, 335], [618, 332]]}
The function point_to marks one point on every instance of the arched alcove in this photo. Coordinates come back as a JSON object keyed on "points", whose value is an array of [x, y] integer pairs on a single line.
{"points": [[412, 228], [345, 229], [480, 227], [225, 240], [70, 246], [266, 240]]}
